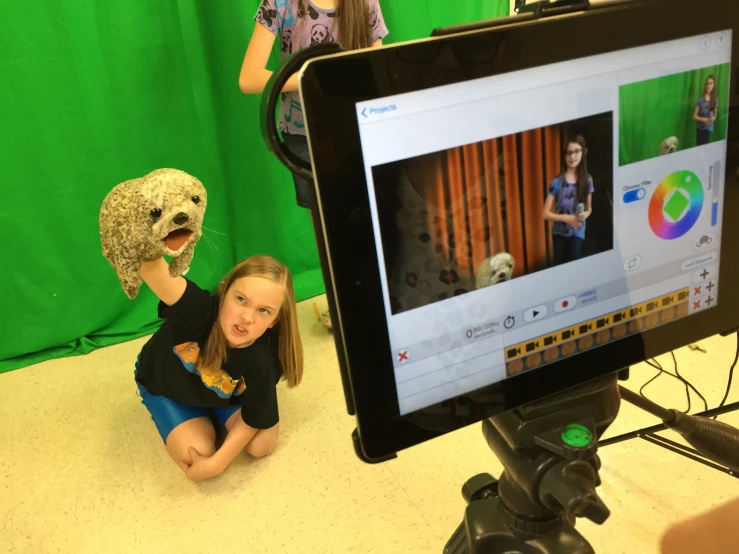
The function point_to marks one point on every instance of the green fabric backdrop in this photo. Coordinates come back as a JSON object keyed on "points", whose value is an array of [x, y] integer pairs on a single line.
{"points": [[651, 111], [95, 93]]}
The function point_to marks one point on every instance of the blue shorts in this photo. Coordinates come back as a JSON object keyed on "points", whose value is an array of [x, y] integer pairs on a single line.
{"points": [[168, 414]]}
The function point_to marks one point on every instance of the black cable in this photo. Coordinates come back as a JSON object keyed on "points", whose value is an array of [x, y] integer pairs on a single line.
{"points": [[731, 373], [660, 370], [677, 374], [689, 384], [655, 364]]}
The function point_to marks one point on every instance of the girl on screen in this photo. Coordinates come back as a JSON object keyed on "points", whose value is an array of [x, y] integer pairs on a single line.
{"points": [[706, 112], [569, 202]]}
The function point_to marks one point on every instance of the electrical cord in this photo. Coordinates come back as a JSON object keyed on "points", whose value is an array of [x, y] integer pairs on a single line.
{"points": [[688, 385], [660, 370], [731, 374], [655, 364], [677, 374]]}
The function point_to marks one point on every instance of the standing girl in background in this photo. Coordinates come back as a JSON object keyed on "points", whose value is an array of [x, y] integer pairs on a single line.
{"points": [[706, 112], [570, 202], [219, 357], [300, 24]]}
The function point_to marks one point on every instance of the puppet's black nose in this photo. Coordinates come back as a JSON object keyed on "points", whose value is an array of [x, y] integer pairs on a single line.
{"points": [[180, 218]]}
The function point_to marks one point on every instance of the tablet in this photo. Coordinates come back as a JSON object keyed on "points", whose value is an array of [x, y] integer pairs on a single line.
{"points": [[509, 212]]}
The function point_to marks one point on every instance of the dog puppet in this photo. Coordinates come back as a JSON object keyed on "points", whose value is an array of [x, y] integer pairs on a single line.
{"points": [[495, 269], [149, 217], [669, 146]]}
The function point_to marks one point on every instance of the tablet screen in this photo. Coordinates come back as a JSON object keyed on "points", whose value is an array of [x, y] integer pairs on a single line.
{"points": [[531, 216]]}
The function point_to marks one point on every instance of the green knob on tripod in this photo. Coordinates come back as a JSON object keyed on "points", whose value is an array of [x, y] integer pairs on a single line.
{"points": [[577, 436]]}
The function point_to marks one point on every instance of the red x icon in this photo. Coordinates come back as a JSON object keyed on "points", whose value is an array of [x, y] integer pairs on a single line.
{"points": [[697, 305], [696, 291], [403, 356]]}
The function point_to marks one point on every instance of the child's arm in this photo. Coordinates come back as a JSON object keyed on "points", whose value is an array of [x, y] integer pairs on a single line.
{"points": [[238, 437], [586, 214], [698, 118], [206, 467], [156, 275], [549, 215], [254, 75]]}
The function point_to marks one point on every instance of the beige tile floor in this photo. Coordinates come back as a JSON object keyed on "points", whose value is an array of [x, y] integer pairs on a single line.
{"points": [[82, 470]]}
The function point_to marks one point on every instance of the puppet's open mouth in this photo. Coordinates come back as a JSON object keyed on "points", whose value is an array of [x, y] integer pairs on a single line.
{"points": [[177, 238]]}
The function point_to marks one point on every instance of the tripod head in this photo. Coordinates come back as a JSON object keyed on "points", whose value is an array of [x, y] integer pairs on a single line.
{"points": [[550, 448], [549, 452]]}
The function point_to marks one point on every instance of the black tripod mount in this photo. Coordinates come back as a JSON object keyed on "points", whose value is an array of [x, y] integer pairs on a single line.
{"points": [[549, 453]]}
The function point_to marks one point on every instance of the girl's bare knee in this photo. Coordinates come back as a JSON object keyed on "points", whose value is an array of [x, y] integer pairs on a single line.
{"points": [[196, 433]]}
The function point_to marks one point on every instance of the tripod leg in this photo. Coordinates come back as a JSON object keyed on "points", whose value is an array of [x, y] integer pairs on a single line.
{"points": [[457, 544], [484, 531]]}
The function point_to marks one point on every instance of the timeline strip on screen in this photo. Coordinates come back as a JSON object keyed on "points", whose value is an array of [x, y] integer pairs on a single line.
{"points": [[599, 330]]}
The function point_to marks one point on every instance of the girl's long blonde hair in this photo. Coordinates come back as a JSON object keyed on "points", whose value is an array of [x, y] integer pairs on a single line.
{"points": [[284, 337]]}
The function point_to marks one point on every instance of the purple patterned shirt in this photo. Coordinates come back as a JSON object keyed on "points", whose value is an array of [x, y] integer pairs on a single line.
{"points": [[318, 26], [565, 194]]}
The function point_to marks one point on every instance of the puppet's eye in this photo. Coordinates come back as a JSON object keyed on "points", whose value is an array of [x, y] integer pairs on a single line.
{"points": [[195, 199], [156, 213]]}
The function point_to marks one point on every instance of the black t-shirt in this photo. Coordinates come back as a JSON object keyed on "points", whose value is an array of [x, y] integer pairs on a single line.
{"points": [[167, 365]]}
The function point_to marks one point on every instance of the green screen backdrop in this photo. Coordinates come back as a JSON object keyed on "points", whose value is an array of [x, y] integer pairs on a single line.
{"points": [[651, 111], [96, 93]]}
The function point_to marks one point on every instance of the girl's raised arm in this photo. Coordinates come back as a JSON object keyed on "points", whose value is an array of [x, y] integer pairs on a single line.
{"points": [[156, 274]]}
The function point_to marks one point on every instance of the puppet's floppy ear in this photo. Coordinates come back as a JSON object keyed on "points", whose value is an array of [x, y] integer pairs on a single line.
{"points": [[113, 239], [115, 231], [130, 281]]}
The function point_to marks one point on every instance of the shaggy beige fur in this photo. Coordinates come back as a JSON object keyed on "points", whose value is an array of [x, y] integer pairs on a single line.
{"points": [[495, 269], [143, 219]]}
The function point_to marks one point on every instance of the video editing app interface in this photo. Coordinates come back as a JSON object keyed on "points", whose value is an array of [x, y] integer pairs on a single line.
{"points": [[531, 216]]}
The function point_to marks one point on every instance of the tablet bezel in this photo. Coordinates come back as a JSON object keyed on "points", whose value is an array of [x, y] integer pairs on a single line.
{"points": [[330, 89]]}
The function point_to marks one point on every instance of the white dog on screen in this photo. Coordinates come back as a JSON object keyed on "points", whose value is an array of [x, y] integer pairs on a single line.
{"points": [[495, 269], [669, 146]]}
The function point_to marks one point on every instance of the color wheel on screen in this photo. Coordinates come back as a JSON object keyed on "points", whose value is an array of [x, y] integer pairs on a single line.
{"points": [[676, 205]]}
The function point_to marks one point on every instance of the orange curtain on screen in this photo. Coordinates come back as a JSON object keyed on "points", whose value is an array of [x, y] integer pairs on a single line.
{"points": [[513, 196]]}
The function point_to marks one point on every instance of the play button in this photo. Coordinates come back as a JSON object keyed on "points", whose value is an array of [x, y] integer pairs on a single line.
{"points": [[535, 314]]}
